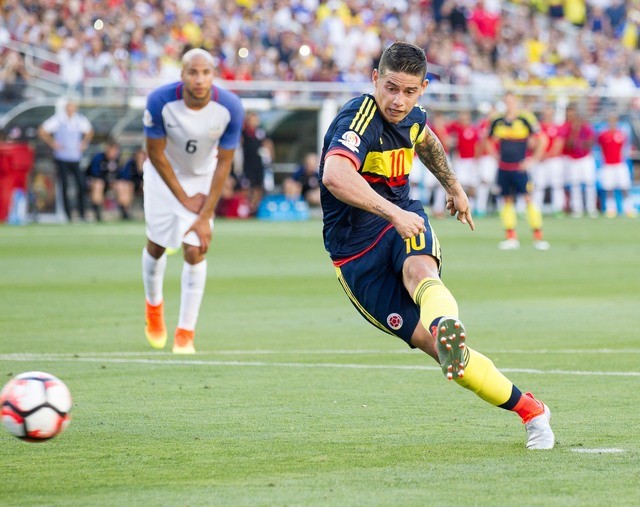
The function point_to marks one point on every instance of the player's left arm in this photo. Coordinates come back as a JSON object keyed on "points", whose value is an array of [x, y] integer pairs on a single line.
{"points": [[431, 153], [201, 225]]}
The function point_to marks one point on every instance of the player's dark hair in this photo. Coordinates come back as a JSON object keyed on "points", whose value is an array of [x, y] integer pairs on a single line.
{"points": [[404, 57]]}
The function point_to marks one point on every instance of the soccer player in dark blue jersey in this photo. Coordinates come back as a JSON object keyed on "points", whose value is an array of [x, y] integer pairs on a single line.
{"points": [[514, 132], [386, 254]]}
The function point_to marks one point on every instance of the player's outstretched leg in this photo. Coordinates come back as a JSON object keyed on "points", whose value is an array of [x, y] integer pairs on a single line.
{"points": [[155, 329]]}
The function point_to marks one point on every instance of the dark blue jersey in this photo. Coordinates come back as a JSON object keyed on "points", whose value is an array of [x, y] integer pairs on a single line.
{"points": [[382, 152], [513, 136]]}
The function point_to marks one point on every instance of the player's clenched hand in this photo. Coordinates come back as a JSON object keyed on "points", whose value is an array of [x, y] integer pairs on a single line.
{"points": [[194, 203], [409, 224], [460, 205], [202, 228]]}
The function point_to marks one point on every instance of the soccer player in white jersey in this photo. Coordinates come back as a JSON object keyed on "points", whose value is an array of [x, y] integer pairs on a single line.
{"points": [[192, 129]]}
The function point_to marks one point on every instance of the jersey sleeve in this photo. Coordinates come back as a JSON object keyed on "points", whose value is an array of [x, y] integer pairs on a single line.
{"points": [[354, 132], [231, 136], [152, 117]]}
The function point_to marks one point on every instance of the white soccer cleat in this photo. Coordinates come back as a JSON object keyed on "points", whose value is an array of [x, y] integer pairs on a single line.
{"points": [[509, 244], [541, 245], [539, 433]]}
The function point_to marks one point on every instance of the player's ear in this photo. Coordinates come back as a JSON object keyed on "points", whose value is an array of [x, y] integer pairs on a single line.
{"points": [[425, 83], [375, 75]]}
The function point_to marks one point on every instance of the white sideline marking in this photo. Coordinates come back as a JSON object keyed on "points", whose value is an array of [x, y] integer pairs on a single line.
{"points": [[337, 352], [162, 358], [609, 450]]}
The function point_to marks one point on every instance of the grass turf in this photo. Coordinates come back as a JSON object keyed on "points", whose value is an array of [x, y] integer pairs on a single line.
{"points": [[293, 399]]}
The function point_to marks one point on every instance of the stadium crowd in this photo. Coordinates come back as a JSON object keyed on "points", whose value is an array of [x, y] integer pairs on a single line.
{"points": [[576, 43], [488, 45]]}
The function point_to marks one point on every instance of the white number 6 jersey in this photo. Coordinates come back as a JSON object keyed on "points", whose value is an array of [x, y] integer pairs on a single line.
{"points": [[193, 136]]}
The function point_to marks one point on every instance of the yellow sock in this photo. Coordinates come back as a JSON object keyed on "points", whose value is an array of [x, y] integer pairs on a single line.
{"points": [[509, 216], [534, 217], [483, 378], [434, 300], [480, 374]]}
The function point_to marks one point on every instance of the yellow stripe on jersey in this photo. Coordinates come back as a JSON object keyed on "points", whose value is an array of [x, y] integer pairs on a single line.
{"points": [[391, 164], [363, 116], [356, 303]]}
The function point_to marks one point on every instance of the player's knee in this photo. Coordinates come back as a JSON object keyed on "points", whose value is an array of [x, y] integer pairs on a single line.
{"points": [[192, 254], [418, 267]]}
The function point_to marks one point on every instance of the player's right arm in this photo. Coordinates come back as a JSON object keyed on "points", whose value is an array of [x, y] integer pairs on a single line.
{"points": [[155, 151], [342, 179]]}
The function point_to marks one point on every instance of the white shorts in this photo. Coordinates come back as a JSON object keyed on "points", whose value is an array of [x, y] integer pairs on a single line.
{"points": [[487, 169], [548, 173], [167, 221], [581, 170], [466, 171], [615, 176]]}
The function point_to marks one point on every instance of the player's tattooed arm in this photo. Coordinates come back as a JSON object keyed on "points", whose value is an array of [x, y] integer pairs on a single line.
{"points": [[432, 154]]}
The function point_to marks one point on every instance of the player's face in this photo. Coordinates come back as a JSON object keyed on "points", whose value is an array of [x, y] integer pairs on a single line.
{"points": [[396, 93], [197, 76]]}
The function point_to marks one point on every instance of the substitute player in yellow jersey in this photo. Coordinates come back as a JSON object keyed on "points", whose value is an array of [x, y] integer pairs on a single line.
{"points": [[385, 252], [516, 132]]}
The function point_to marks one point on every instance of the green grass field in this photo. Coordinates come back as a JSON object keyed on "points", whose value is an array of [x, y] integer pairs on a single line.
{"points": [[294, 400]]}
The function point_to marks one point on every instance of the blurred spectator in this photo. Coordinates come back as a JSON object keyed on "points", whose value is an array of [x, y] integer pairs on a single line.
{"points": [[549, 173], [98, 64], [615, 175], [257, 153], [13, 76], [103, 174], [580, 163], [465, 137], [303, 183], [132, 172], [71, 58], [68, 133]]}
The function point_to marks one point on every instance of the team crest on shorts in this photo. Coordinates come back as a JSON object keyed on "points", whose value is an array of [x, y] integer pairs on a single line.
{"points": [[394, 321]]}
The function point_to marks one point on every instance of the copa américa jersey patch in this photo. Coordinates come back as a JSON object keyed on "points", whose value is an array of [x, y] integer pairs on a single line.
{"points": [[351, 140]]}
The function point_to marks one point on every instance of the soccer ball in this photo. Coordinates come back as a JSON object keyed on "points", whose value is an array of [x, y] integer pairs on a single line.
{"points": [[35, 406]]}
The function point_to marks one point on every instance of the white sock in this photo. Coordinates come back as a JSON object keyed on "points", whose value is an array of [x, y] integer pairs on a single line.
{"points": [[153, 277], [591, 198], [627, 205], [557, 199], [482, 197], [194, 277]]}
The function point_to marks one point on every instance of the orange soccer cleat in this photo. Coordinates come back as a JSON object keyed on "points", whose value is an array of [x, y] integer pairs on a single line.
{"points": [[154, 329], [183, 341]]}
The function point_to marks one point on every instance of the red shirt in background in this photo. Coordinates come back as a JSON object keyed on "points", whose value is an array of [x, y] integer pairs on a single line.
{"points": [[466, 137], [483, 131], [553, 133], [612, 141], [579, 139]]}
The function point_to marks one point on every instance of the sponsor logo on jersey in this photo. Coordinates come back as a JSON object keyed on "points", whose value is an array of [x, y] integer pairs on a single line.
{"points": [[394, 321], [215, 132], [351, 140], [147, 120]]}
